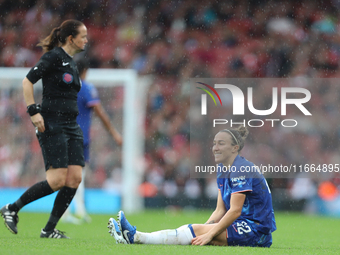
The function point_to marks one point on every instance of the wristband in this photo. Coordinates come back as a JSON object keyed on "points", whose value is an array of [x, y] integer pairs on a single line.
{"points": [[33, 109]]}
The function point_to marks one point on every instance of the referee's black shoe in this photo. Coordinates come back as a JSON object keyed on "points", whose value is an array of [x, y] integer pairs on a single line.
{"points": [[55, 233], [11, 219]]}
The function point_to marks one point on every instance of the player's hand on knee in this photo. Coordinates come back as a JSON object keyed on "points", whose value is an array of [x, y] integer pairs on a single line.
{"points": [[202, 239], [38, 122]]}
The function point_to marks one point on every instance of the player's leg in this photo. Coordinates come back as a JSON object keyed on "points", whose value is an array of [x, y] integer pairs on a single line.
{"points": [[219, 240], [181, 236], [79, 199]]}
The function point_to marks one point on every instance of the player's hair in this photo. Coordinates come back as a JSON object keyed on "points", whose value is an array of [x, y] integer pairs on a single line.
{"points": [[82, 65], [238, 136], [59, 35]]}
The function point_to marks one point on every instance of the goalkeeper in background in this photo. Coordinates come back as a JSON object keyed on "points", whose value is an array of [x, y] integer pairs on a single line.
{"points": [[88, 101]]}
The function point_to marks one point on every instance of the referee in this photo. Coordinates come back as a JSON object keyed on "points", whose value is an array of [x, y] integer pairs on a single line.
{"points": [[60, 137]]}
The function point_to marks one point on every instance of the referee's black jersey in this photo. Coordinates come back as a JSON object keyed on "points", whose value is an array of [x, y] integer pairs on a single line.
{"points": [[61, 84]]}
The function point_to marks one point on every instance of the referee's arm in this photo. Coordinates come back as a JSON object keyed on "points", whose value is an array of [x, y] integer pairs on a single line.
{"points": [[37, 119]]}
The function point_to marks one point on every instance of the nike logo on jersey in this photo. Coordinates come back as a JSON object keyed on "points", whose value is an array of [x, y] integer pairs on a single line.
{"points": [[125, 232], [35, 68], [65, 64]]}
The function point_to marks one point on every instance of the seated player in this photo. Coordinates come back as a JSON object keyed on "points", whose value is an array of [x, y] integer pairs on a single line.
{"points": [[244, 214]]}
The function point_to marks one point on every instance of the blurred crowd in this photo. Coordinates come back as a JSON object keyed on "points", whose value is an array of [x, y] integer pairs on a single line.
{"points": [[174, 41]]}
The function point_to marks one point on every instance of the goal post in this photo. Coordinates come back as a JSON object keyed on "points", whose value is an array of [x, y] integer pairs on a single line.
{"points": [[134, 110]]}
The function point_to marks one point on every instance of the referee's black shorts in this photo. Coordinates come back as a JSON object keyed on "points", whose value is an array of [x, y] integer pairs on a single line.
{"points": [[62, 144]]}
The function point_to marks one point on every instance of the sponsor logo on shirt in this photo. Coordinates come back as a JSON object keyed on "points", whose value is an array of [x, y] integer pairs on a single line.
{"points": [[237, 179]]}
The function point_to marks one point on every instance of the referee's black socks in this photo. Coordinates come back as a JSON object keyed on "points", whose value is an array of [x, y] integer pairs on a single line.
{"points": [[35, 192], [61, 202]]}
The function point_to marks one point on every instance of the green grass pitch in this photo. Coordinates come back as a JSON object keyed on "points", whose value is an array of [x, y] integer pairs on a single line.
{"points": [[296, 234]]}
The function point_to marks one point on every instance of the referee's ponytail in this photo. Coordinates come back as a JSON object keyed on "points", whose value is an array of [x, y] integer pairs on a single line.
{"points": [[59, 35], [238, 136]]}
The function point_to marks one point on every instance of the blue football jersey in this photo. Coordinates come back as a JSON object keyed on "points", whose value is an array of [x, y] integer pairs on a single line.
{"points": [[87, 98], [257, 206]]}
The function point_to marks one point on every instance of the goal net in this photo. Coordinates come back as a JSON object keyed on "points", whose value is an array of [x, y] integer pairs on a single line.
{"points": [[124, 100]]}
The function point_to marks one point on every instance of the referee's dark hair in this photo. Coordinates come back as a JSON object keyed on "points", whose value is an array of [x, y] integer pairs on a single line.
{"points": [[82, 65], [59, 35]]}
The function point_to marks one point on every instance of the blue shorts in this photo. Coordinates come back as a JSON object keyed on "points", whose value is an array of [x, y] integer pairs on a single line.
{"points": [[87, 152], [243, 232]]}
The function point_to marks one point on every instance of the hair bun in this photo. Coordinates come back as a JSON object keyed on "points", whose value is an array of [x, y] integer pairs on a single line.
{"points": [[243, 131]]}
